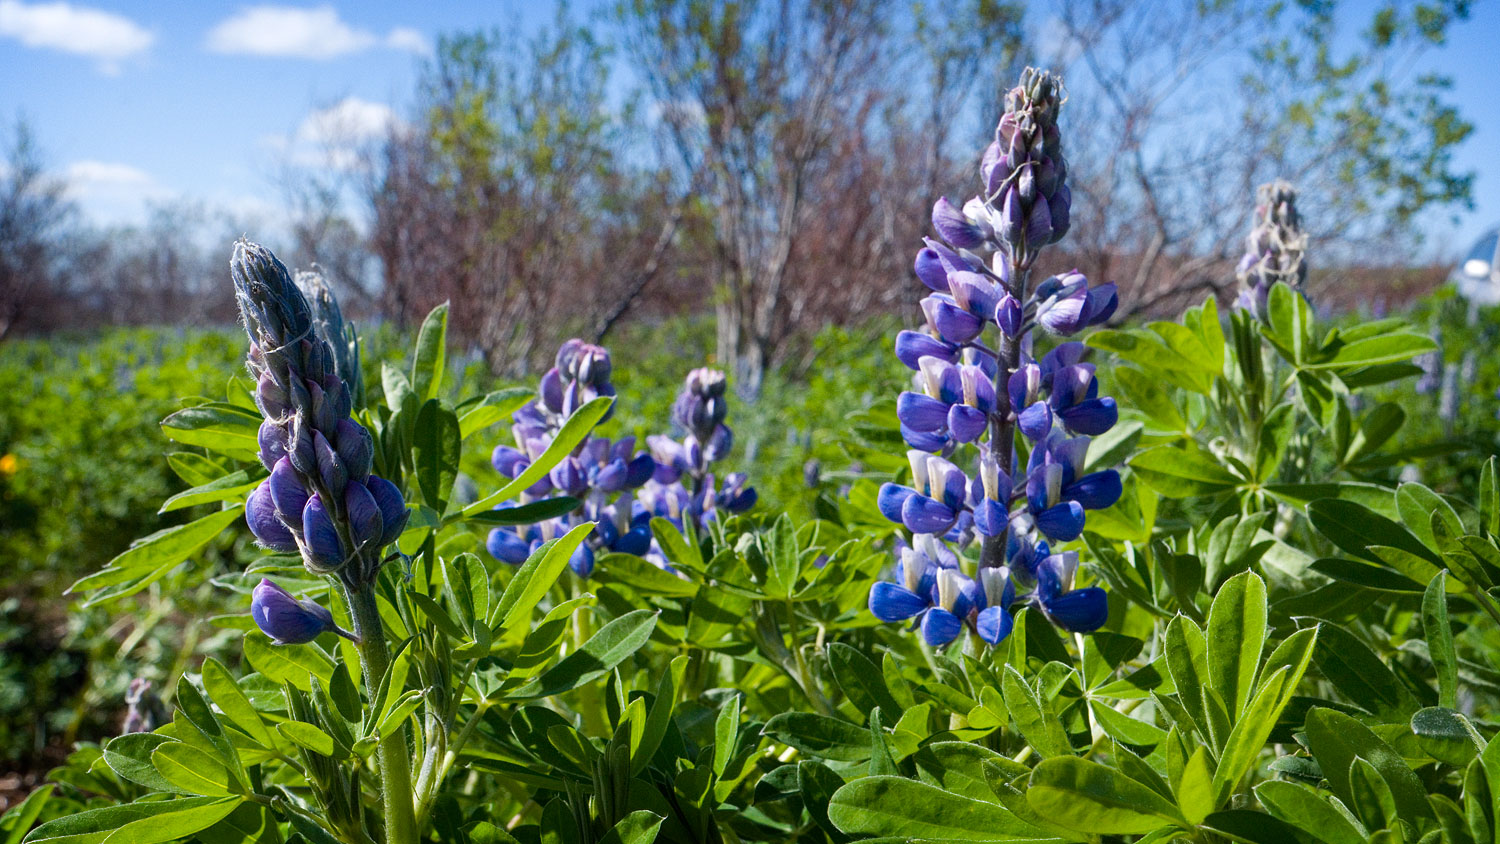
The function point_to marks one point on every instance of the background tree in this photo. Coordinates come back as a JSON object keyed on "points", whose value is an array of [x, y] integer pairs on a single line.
{"points": [[36, 219], [1181, 108]]}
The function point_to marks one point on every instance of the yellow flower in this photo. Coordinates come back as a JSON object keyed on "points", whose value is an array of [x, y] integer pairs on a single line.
{"points": [[8, 465]]}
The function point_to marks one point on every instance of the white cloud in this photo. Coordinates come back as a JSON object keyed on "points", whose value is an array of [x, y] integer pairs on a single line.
{"points": [[89, 175], [95, 33], [333, 136], [304, 33], [406, 38], [111, 192]]}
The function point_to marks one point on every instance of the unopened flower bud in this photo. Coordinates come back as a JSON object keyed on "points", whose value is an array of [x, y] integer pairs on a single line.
{"points": [[392, 506], [365, 520], [269, 530], [287, 620], [287, 492], [356, 449], [322, 551], [331, 469]]}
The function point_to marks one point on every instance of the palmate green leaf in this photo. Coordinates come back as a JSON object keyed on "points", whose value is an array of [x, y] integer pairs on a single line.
{"points": [[1446, 735], [959, 767], [1418, 506], [220, 427], [573, 431], [1290, 323], [129, 756], [143, 822], [231, 700], [1360, 674], [1394, 347], [17, 820], [1440, 640], [645, 577], [1096, 799], [1236, 635], [307, 736], [1355, 529], [533, 579], [1182, 472], [193, 771], [1250, 733], [151, 557], [1196, 794], [526, 514], [232, 486], [1489, 498], [638, 827], [1033, 715], [1250, 827], [436, 447], [1336, 739], [1306, 809], [860, 679], [1187, 662], [820, 736], [295, 664], [430, 355], [899, 808], [817, 783], [480, 413], [614, 643]]}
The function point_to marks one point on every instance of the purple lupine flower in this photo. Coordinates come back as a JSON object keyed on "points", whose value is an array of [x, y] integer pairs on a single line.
{"points": [[1275, 249], [304, 359], [287, 620], [683, 486], [970, 395], [605, 477]]}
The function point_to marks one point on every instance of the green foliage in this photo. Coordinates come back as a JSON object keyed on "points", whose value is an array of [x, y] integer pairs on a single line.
{"points": [[1298, 646]]}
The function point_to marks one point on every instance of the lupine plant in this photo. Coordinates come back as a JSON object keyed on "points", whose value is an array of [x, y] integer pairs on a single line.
{"points": [[974, 399], [682, 489], [601, 475], [1208, 609]]}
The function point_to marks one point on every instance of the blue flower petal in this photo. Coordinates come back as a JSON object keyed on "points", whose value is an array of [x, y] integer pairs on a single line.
{"points": [[1081, 610], [994, 624], [1095, 491], [893, 602], [939, 627], [1063, 522]]}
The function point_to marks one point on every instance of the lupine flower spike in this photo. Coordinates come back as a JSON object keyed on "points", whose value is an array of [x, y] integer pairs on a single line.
{"points": [[969, 398], [602, 475], [320, 500], [1275, 250], [683, 486]]}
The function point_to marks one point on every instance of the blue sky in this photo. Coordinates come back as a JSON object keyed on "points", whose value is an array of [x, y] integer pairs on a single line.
{"points": [[134, 101]]}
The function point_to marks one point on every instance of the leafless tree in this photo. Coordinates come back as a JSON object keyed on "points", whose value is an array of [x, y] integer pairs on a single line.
{"points": [[35, 219], [1181, 108]]}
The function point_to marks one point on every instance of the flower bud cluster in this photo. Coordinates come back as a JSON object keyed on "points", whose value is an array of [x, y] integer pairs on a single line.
{"points": [[968, 399], [1026, 203], [320, 499], [328, 322], [601, 474], [684, 488], [1275, 249]]}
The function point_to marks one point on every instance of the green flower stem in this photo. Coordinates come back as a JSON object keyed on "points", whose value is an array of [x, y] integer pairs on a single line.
{"points": [[391, 755]]}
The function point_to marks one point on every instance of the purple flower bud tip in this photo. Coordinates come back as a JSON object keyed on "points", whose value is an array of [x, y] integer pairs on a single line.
{"points": [[287, 620], [322, 549], [393, 512]]}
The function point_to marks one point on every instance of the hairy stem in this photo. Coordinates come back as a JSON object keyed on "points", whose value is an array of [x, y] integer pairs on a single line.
{"points": [[1003, 420], [392, 757]]}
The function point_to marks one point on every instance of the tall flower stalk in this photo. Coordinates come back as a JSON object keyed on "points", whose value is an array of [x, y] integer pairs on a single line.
{"points": [[973, 393], [320, 500], [1275, 249]]}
